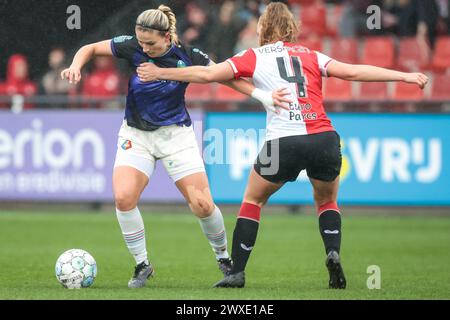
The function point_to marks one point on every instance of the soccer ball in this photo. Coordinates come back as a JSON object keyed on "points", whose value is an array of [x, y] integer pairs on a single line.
{"points": [[76, 269]]}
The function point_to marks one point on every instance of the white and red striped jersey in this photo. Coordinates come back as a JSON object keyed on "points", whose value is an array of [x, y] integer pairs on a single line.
{"points": [[292, 66]]}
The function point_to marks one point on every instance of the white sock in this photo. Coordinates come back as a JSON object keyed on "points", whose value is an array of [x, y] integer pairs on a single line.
{"points": [[133, 232], [214, 229]]}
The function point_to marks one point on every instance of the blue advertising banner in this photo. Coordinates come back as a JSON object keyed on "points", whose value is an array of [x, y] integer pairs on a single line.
{"points": [[388, 159]]}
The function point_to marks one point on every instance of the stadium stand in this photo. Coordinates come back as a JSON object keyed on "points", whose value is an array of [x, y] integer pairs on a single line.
{"points": [[373, 91], [440, 86], [337, 89], [405, 91], [302, 2], [411, 56], [312, 42], [320, 23], [345, 50], [334, 16], [313, 20], [378, 51], [441, 58]]}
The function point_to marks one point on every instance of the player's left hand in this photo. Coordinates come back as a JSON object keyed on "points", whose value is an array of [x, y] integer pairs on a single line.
{"points": [[279, 98], [272, 101], [147, 72], [417, 78]]}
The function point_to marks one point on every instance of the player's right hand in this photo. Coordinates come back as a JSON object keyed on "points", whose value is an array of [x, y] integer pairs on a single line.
{"points": [[418, 78], [147, 72], [72, 74]]}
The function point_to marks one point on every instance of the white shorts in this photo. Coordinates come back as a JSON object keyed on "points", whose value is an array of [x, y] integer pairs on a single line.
{"points": [[176, 146]]}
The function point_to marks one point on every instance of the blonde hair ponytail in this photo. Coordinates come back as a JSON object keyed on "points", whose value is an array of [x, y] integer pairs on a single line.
{"points": [[162, 20], [172, 22]]}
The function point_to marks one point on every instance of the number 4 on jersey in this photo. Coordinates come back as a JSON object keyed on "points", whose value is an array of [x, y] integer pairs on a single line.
{"points": [[298, 78]]}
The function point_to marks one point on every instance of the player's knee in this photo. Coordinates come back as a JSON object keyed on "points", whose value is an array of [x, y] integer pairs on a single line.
{"points": [[202, 208], [200, 201], [125, 201]]}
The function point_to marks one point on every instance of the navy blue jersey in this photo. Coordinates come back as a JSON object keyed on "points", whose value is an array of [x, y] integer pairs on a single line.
{"points": [[154, 104]]}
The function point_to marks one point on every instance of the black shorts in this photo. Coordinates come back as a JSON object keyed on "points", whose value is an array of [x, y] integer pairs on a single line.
{"points": [[319, 154]]}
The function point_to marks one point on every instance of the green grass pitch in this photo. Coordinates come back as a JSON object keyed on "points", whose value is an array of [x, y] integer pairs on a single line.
{"points": [[287, 262]]}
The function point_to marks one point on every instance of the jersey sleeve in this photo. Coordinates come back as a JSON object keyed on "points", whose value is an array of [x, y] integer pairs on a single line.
{"points": [[243, 64], [323, 61], [198, 57], [124, 47]]}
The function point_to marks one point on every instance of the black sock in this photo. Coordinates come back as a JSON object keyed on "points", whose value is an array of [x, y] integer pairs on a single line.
{"points": [[244, 238], [330, 229]]}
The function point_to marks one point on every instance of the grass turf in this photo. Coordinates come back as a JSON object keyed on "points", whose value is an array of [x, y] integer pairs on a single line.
{"points": [[287, 262]]}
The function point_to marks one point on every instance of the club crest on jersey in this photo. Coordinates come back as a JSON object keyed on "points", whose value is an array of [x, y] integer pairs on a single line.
{"points": [[181, 64], [200, 52], [126, 145]]}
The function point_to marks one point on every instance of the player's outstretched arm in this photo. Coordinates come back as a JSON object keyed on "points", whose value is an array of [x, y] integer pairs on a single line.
{"points": [[213, 73], [83, 55], [222, 73], [360, 72]]}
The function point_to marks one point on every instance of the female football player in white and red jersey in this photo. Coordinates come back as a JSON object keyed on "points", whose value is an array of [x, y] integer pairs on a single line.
{"points": [[296, 139]]}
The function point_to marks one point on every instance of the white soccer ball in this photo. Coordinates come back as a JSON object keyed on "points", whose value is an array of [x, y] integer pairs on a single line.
{"points": [[76, 269]]}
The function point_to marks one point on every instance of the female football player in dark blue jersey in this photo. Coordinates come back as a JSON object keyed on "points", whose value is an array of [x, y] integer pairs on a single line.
{"points": [[158, 126]]}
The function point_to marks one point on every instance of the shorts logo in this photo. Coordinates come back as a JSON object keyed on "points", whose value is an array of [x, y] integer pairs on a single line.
{"points": [[126, 145], [243, 246]]}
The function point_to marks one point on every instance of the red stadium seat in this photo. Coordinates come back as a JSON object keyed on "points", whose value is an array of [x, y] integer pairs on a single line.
{"points": [[373, 91], [337, 89], [407, 91], [199, 91], [334, 16], [313, 43], [440, 87], [304, 2], [441, 57], [226, 93], [378, 51], [411, 56], [313, 20], [345, 50]]}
